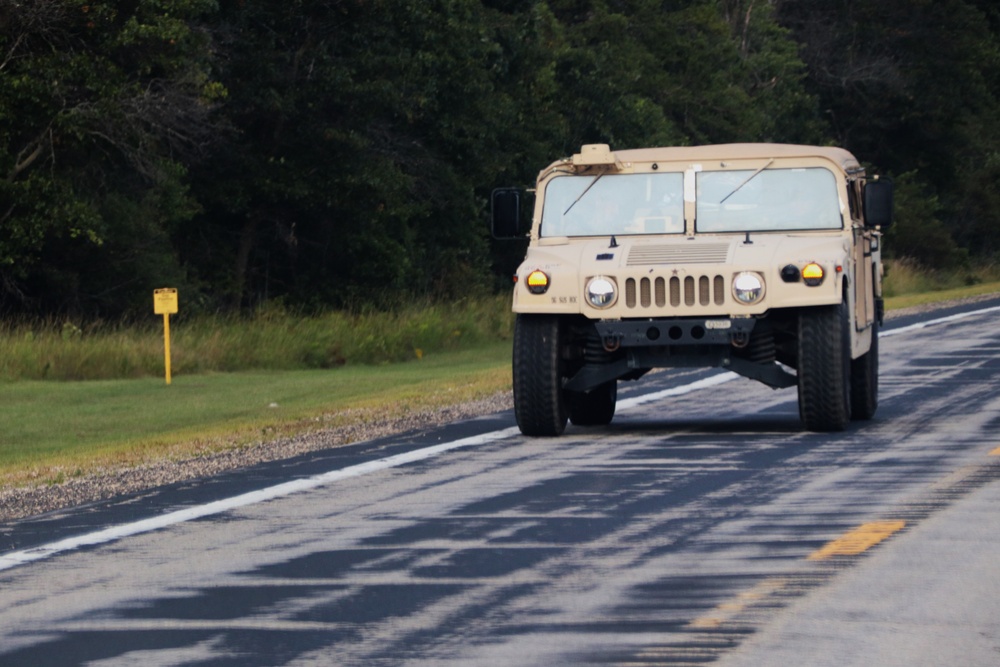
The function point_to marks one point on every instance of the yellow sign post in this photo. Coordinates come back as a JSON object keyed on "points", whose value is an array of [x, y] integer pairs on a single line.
{"points": [[165, 303]]}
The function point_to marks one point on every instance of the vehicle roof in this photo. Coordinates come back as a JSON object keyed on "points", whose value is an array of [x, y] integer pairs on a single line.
{"points": [[838, 156]]}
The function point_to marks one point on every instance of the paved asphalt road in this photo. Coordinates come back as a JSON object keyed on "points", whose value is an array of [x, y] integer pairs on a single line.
{"points": [[701, 526]]}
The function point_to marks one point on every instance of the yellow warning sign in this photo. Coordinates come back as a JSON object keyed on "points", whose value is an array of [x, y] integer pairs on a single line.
{"points": [[165, 301]]}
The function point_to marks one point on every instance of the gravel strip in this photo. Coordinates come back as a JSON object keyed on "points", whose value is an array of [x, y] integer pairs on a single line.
{"points": [[20, 502]]}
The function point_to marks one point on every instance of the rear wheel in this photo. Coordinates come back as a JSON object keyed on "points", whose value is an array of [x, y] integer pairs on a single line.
{"points": [[595, 407], [864, 380], [824, 368], [540, 404]]}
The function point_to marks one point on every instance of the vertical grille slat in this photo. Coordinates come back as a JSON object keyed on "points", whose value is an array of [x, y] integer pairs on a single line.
{"points": [[677, 292], [630, 293], [703, 292]]}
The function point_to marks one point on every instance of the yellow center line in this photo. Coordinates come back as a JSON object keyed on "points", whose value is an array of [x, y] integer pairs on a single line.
{"points": [[954, 479], [860, 539], [995, 452], [726, 610]]}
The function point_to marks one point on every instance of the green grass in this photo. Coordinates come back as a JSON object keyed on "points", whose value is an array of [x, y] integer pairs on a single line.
{"points": [[908, 300], [908, 282], [58, 429], [272, 339]]}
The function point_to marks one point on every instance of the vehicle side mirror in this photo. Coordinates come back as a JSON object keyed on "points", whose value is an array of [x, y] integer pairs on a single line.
{"points": [[878, 203], [505, 213]]}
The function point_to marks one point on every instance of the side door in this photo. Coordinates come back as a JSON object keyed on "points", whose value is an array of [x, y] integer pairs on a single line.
{"points": [[862, 260]]}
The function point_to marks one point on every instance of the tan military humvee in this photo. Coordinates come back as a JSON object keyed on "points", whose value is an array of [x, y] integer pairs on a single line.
{"points": [[762, 259]]}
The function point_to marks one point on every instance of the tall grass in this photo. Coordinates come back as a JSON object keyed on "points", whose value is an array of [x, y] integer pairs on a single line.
{"points": [[272, 339], [905, 277]]}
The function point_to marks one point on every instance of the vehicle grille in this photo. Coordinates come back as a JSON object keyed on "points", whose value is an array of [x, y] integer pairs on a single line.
{"points": [[675, 291], [694, 253]]}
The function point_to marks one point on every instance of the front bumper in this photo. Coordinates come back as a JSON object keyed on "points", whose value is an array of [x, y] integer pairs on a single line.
{"points": [[675, 331]]}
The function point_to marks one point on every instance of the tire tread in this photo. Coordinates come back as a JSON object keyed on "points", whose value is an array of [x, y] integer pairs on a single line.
{"points": [[824, 389], [539, 399]]}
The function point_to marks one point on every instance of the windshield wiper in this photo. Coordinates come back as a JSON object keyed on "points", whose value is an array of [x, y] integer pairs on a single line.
{"points": [[585, 191], [740, 186]]}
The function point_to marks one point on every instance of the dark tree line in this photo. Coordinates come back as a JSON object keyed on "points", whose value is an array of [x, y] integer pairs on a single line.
{"points": [[339, 153]]}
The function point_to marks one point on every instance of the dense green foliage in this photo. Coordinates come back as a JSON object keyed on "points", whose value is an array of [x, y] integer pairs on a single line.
{"points": [[339, 153]]}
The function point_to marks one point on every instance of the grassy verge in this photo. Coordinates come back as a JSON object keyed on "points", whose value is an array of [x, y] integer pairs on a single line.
{"points": [[272, 339], [907, 284], [909, 300], [54, 430]]}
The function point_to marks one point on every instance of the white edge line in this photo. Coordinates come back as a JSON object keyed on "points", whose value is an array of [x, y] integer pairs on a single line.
{"points": [[297, 486], [306, 484], [940, 320], [278, 491]]}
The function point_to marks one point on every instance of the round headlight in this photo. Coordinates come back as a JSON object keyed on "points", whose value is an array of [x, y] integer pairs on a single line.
{"points": [[601, 292], [748, 288]]}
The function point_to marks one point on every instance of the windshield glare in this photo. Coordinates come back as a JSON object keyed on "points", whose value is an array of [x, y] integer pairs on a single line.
{"points": [[615, 204], [773, 199]]}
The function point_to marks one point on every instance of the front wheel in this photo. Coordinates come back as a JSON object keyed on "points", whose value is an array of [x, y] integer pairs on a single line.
{"points": [[824, 368], [540, 404]]}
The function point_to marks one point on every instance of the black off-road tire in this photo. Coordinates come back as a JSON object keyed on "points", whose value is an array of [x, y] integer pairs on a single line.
{"points": [[824, 368], [864, 381], [595, 407], [540, 402]]}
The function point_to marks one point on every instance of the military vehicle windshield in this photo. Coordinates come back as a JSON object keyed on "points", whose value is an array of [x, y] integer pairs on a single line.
{"points": [[767, 200], [614, 204]]}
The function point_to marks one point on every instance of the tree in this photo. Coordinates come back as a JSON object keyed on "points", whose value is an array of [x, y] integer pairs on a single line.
{"points": [[341, 152], [912, 86], [101, 106], [365, 136]]}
